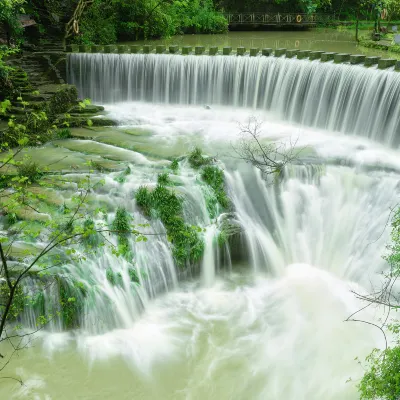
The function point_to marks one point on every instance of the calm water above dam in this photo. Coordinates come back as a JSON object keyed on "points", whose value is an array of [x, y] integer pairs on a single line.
{"points": [[317, 39]]}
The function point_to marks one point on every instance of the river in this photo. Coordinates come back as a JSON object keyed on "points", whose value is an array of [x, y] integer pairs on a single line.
{"points": [[325, 39], [263, 318]]}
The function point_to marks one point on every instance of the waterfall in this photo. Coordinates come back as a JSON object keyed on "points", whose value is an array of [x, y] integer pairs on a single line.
{"points": [[269, 297], [346, 98], [305, 219], [308, 217]]}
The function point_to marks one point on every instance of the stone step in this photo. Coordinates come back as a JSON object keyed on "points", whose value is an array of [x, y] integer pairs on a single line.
{"points": [[30, 63], [28, 96], [89, 109], [13, 110], [36, 105]]}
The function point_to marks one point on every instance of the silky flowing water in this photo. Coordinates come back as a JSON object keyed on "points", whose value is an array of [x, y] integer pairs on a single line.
{"points": [[263, 318]]}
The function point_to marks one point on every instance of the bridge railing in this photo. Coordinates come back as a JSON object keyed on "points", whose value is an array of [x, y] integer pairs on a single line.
{"points": [[276, 18]]}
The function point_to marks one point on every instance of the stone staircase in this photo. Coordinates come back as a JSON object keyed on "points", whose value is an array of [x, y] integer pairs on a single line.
{"points": [[44, 68]]}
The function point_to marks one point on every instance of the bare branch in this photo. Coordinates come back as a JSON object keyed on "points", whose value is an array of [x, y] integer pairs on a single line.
{"points": [[269, 158]]}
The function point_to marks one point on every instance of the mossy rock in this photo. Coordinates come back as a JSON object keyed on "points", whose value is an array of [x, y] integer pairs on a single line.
{"points": [[21, 250], [89, 109], [104, 122], [71, 302], [138, 132], [34, 105], [19, 110], [63, 99], [79, 121], [91, 147]]}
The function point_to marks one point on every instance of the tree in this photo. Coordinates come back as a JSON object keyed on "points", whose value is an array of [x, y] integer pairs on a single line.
{"points": [[393, 9], [382, 376], [307, 6], [72, 26], [269, 158], [9, 10], [65, 235]]}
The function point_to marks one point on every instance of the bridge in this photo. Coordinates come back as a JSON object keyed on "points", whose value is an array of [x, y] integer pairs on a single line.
{"points": [[288, 19]]}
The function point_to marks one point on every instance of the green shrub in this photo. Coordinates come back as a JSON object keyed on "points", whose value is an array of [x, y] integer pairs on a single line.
{"points": [[121, 178], [163, 203], [166, 202], [91, 238], [197, 160], [115, 278], [214, 178], [133, 275], [12, 218], [174, 166], [96, 166], [63, 100], [163, 179], [222, 239], [382, 379], [71, 302], [121, 223], [30, 169], [138, 19], [122, 227], [18, 304], [208, 21], [99, 24], [144, 200], [64, 133]]}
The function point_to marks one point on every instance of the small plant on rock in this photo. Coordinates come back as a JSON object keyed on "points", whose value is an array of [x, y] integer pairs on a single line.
{"points": [[197, 160]]}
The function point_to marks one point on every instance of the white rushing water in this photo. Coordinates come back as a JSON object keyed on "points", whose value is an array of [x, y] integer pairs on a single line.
{"points": [[264, 318], [346, 98]]}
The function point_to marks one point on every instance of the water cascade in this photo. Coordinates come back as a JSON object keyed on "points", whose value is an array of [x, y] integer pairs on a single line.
{"points": [[345, 98], [261, 315]]}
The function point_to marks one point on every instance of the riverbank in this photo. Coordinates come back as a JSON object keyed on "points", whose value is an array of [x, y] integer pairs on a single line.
{"points": [[382, 45], [38, 100]]}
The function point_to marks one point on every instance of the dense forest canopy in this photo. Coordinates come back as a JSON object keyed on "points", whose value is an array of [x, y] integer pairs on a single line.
{"points": [[107, 21]]}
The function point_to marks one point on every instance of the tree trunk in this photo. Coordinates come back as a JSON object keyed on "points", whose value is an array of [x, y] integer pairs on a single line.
{"points": [[357, 20]]}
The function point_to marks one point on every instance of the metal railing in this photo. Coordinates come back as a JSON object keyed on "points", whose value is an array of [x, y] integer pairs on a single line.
{"points": [[276, 18]]}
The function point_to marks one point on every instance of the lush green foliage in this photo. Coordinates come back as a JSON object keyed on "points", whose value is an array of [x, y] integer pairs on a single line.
{"points": [[122, 226], [165, 204], [274, 5], [69, 226], [382, 377], [115, 278], [197, 160], [30, 171], [382, 380], [163, 179], [121, 178], [9, 10], [71, 302], [214, 177], [6, 85], [99, 24], [107, 22], [174, 166], [64, 133], [63, 100]]}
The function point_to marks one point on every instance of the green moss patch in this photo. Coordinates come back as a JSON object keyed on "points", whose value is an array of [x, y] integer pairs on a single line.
{"points": [[165, 204]]}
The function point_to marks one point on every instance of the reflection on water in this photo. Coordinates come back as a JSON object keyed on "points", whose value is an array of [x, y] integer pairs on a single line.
{"points": [[317, 39]]}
